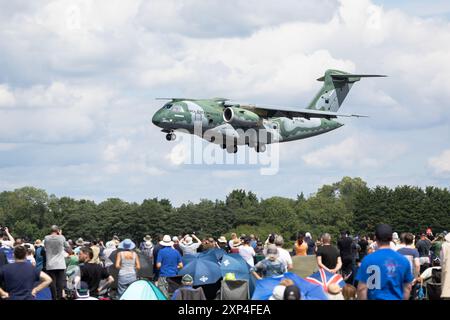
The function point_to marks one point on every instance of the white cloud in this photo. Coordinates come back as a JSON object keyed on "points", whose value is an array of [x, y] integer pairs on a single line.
{"points": [[355, 152], [7, 98], [441, 163], [55, 113], [178, 154], [113, 151], [233, 18]]}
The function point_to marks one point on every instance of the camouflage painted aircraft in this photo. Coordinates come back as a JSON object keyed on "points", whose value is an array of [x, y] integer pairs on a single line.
{"points": [[231, 124]]}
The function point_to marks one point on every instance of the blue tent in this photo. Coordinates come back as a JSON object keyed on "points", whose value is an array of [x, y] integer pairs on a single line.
{"points": [[142, 290], [309, 291], [203, 267]]}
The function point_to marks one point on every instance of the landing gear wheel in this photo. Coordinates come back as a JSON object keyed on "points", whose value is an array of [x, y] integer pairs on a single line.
{"points": [[260, 148], [224, 146], [171, 136]]}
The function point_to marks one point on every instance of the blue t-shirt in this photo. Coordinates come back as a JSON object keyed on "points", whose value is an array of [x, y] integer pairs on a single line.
{"points": [[169, 259], [385, 272], [19, 279], [39, 258], [9, 253]]}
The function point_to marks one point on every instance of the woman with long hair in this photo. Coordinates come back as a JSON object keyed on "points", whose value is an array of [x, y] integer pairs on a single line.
{"points": [[301, 247], [127, 262]]}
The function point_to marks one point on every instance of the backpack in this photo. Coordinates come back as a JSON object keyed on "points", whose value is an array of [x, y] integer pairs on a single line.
{"points": [[147, 251], [436, 275], [272, 268]]}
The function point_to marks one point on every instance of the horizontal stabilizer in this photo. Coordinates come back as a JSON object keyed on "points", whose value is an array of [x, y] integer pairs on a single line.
{"points": [[351, 77]]}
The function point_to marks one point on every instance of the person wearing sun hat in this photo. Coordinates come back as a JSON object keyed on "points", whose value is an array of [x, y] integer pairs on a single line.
{"points": [[147, 247], [168, 262], [79, 243], [270, 266], [235, 244], [188, 245], [222, 243], [115, 240], [176, 244], [128, 264]]}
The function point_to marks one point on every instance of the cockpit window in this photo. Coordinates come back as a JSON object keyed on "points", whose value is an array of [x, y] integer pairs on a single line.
{"points": [[177, 108], [168, 105]]}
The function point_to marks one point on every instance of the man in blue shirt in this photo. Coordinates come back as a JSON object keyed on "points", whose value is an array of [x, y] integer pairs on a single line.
{"points": [[18, 278], [168, 262], [384, 274], [410, 253]]}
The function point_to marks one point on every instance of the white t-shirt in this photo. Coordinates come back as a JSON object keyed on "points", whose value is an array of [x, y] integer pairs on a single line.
{"points": [[189, 248], [285, 257], [32, 260], [428, 273], [247, 253]]}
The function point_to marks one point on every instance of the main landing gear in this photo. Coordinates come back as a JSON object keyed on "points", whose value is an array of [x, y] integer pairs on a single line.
{"points": [[234, 148], [260, 147], [230, 149]]}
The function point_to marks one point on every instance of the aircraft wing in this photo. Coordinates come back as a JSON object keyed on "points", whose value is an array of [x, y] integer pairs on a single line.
{"points": [[267, 112], [192, 99]]}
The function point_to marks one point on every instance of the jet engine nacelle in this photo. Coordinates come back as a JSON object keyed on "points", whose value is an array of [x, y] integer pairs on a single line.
{"points": [[241, 117]]}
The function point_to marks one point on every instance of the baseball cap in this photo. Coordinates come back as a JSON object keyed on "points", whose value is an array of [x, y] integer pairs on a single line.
{"points": [[383, 232], [230, 276], [292, 293]]}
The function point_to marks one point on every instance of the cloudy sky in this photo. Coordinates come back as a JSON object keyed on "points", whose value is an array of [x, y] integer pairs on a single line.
{"points": [[79, 78]]}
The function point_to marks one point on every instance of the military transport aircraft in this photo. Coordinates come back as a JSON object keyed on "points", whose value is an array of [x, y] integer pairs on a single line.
{"points": [[231, 124]]}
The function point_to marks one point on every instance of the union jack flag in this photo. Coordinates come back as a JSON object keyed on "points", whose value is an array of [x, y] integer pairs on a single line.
{"points": [[325, 278]]}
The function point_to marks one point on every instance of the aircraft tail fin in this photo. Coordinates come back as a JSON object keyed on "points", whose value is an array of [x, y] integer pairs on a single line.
{"points": [[336, 86]]}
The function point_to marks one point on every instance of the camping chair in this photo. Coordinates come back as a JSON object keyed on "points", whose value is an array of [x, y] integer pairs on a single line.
{"points": [[82, 292], [433, 285], [191, 294], [104, 294], [72, 273], [234, 290]]}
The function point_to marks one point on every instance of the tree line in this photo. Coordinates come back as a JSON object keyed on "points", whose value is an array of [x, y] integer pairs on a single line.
{"points": [[345, 205]]}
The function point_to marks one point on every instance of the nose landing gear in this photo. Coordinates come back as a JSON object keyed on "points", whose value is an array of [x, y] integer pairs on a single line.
{"points": [[232, 149], [171, 136]]}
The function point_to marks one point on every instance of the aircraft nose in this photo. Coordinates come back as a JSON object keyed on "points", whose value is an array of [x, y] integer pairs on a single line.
{"points": [[156, 119]]}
